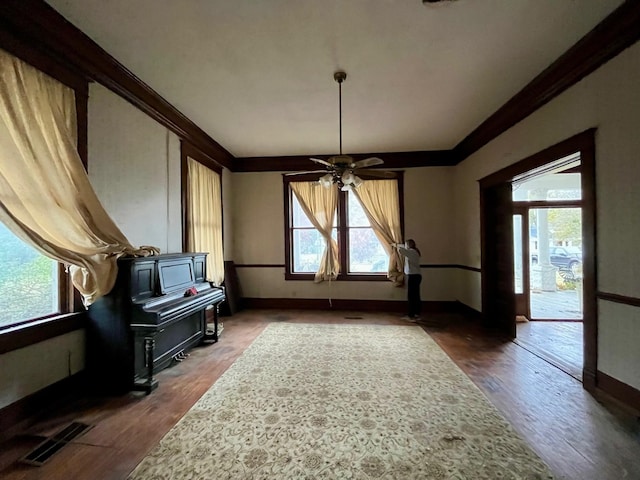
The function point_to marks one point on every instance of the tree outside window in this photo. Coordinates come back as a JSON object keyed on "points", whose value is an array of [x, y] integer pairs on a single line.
{"points": [[28, 282]]}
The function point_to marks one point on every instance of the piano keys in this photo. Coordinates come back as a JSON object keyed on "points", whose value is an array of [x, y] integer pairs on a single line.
{"points": [[156, 311]]}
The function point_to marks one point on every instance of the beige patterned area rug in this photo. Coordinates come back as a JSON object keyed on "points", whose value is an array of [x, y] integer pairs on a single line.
{"points": [[319, 401]]}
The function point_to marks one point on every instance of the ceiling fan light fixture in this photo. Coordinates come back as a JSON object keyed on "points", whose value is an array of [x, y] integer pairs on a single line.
{"points": [[348, 177]]}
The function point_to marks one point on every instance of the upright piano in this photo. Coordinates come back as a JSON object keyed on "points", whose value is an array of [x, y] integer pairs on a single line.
{"points": [[154, 313]]}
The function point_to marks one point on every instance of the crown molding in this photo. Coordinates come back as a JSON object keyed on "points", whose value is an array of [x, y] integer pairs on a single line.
{"points": [[392, 160], [39, 26], [615, 33]]}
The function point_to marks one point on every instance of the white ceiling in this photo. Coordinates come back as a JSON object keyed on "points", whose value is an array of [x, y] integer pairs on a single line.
{"points": [[257, 75]]}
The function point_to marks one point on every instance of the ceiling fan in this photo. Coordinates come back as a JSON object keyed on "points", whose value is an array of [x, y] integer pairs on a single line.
{"points": [[342, 169]]}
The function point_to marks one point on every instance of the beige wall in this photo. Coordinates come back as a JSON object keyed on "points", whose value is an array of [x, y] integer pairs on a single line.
{"points": [[29, 369], [609, 100], [259, 239], [227, 214], [134, 166]]}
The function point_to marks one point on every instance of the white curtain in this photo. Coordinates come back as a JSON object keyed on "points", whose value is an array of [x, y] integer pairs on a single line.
{"points": [[381, 205], [204, 220], [319, 205], [46, 198]]}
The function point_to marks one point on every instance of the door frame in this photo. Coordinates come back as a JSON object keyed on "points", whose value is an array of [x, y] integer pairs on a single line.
{"points": [[523, 304], [498, 292], [584, 143]]}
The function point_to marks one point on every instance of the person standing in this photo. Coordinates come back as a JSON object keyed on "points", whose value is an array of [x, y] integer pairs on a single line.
{"points": [[414, 278]]}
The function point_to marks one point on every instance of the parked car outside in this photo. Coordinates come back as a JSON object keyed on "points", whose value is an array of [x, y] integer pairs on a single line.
{"points": [[567, 259]]}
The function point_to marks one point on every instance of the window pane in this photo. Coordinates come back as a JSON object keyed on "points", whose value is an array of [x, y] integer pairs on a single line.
{"points": [[356, 216], [562, 184], [299, 217], [517, 254], [308, 246], [28, 281], [366, 255]]}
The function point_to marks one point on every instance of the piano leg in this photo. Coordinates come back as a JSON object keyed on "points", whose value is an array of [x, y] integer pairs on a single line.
{"points": [[212, 336], [216, 312], [149, 384]]}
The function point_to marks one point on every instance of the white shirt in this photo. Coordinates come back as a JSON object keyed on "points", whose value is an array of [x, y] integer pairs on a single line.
{"points": [[412, 263]]}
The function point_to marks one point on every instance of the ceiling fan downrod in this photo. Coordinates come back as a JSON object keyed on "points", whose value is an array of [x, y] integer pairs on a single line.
{"points": [[340, 77]]}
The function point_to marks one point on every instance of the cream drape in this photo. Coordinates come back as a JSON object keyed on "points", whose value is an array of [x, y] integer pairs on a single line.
{"points": [[204, 220], [381, 205], [319, 205], [45, 195]]}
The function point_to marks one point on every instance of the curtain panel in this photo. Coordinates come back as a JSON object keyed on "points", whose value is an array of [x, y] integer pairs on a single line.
{"points": [[381, 205], [46, 198], [204, 218], [319, 205]]}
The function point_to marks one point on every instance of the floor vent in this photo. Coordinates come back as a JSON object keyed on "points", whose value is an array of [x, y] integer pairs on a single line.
{"points": [[43, 452]]}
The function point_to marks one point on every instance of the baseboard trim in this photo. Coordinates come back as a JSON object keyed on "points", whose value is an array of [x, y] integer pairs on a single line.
{"points": [[344, 304], [23, 412], [467, 311], [623, 393], [589, 379]]}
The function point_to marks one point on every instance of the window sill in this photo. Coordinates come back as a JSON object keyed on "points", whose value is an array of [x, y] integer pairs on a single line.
{"points": [[352, 277], [29, 333]]}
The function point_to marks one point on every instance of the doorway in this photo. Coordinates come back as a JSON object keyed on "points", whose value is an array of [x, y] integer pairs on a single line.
{"points": [[530, 215], [548, 283]]}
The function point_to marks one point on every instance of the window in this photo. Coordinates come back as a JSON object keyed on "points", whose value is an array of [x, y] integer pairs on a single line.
{"points": [[29, 286], [361, 254]]}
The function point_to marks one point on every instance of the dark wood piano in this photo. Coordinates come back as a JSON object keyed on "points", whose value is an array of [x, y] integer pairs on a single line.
{"points": [[156, 310]]}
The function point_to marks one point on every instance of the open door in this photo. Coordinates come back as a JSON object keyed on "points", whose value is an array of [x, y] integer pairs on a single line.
{"points": [[498, 299]]}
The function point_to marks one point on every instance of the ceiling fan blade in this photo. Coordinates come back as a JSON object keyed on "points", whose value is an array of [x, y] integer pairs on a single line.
{"points": [[322, 162], [375, 173], [305, 172], [368, 162]]}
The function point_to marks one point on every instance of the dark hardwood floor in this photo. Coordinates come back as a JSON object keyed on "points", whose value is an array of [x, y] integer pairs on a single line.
{"points": [[578, 436], [557, 342]]}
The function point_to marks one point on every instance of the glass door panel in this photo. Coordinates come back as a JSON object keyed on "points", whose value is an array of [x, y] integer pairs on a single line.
{"points": [[518, 255]]}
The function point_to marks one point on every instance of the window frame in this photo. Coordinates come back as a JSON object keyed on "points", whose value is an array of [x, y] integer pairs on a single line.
{"points": [[342, 231], [69, 316]]}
